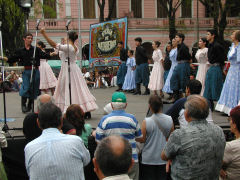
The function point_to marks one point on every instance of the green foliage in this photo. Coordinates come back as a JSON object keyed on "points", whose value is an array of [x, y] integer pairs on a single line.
{"points": [[13, 26]]}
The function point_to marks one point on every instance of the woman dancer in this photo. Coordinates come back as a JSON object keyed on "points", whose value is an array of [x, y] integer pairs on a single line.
{"points": [[129, 82], [230, 94], [156, 77], [202, 58], [173, 58], [79, 90], [48, 81]]}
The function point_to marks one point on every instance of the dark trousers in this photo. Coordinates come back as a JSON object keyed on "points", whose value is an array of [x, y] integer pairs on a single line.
{"points": [[153, 172]]}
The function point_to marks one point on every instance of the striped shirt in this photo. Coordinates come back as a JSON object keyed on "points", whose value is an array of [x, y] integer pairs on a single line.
{"points": [[123, 124], [56, 156]]}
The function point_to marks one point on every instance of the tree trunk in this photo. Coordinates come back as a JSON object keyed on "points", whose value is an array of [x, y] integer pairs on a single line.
{"points": [[110, 11], [172, 27], [101, 8]]}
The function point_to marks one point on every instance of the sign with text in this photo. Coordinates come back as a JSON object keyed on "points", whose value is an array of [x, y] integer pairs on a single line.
{"points": [[104, 38]]}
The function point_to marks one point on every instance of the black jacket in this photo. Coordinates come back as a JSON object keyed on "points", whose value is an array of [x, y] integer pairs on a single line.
{"points": [[216, 53], [141, 55], [183, 52]]}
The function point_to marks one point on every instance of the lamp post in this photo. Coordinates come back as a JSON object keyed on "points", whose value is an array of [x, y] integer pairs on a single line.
{"points": [[25, 5], [79, 32]]}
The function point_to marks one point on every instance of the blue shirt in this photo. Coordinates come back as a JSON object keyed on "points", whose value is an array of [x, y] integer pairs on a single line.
{"points": [[120, 123], [56, 156]]}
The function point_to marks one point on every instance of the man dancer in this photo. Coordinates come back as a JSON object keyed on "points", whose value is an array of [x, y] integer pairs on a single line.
{"points": [[181, 73], [142, 71], [123, 68], [24, 57], [214, 79]]}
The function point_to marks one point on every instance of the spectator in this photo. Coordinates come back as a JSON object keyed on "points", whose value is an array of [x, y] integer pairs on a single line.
{"points": [[107, 109], [54, 155], [113, 158], [75, 116], [118, 122], [196, 150], [30, 121], [167, 62], [154, 139], [231, 158], [176, 111], [3, 144]]}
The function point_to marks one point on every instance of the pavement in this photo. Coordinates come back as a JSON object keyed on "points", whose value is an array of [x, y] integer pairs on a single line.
{"points": [[137, 105]]}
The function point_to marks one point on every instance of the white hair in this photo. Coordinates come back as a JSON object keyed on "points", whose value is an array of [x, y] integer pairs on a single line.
{"points": [[40, 104], [118, 105]]}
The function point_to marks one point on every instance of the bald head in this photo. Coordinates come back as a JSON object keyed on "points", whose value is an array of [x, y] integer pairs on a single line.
{"points": [[114, 155], [43, 99], [197, 107]]}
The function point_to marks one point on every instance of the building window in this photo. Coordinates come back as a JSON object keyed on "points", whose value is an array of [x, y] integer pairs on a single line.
{"points": [[161, 12], [234, 10], [49, 9], [89, 9], [112, 5], [186, 8], [136, 7]]}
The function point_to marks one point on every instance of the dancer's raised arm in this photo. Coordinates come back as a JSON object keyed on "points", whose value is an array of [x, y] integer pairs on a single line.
{"points": [[50, 41]]}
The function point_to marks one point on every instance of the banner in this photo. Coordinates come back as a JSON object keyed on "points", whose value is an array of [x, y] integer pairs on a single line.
{"points": [[104, 37]]}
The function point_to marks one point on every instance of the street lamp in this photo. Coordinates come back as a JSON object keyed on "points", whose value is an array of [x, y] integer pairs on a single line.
{"points": [[25, 3]]}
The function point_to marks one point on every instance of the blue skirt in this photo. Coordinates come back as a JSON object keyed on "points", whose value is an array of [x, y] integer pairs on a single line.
{"points": [[213, 83], [180, 77], [142, 74], [230, 94], [121, 73], [25, 90], [129, 82]]}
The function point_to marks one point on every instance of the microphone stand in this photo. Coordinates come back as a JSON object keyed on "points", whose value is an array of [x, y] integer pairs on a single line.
{"points": [[5, 126], [69, 70], [33, 68]]}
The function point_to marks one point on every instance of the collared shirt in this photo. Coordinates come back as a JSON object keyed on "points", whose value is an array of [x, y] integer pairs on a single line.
{"points": [[24, 56], [118, 177], [123, 55], [141, 55], [216, 53], [196, 151], [56, 156], [118, 122], [183, 53]]}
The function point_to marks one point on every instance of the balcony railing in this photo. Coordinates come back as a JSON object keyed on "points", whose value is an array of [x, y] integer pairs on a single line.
{"points": [[59, 24]]}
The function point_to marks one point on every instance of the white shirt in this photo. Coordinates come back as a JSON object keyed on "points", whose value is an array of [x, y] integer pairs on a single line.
{"points": [[118, 177]]}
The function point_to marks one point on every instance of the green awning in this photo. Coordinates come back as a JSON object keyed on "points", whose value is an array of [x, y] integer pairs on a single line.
{"points": [[56, 64]]}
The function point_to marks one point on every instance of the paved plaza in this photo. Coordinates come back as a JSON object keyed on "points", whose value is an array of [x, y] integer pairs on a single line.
{"points": [[137, 105]]}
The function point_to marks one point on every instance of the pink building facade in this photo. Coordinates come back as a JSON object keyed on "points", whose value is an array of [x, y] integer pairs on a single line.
{"points": [[146, 19]]}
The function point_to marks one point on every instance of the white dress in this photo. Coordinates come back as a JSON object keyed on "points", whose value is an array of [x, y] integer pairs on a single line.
{"points": [[79, 89], [202, 59], [47, 77], [156, 78]]}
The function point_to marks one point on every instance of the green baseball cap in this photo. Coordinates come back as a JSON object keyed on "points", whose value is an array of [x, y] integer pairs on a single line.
{"points": [[119, 97]]}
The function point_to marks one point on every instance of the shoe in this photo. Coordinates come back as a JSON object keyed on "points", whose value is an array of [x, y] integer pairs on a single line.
{"points": [[87, 115], [119, 88], [29, 106], [137, 92], [147, 91], [23, 104]]}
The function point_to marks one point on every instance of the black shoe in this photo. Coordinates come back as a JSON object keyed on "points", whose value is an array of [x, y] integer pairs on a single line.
{"points": [[137, 92], [23, 104], [29, 106], [147, 91]]}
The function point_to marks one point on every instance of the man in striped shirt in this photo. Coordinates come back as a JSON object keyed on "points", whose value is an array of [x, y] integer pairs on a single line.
{"points": [[118, 122]]}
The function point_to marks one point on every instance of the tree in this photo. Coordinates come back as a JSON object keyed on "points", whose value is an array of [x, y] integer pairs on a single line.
{"points": [[13, 25], [218, 11], [101, 5], [171, 7]]}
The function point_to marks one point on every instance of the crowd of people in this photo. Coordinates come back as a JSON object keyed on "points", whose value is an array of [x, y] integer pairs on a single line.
{"points": [[59, 144]]}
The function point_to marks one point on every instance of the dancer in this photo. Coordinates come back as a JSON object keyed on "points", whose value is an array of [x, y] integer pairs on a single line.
{"points": [[24, 57], [142, 71], [79, 90], [129, 82], [202, 58], [230, 94], [167, 62], [123, 68], [48, 81], [173, 58], [156, 78], [214, 78], [181, 73]]}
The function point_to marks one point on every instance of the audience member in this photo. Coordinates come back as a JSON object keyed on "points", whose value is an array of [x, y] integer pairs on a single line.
{"points": [[54, 155], [107, 109], [113, 158], [176, 111], [75, 116], [155, 129], [231, 158], [197, 149], [30, 121], [3, 144], [118, 122]]}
